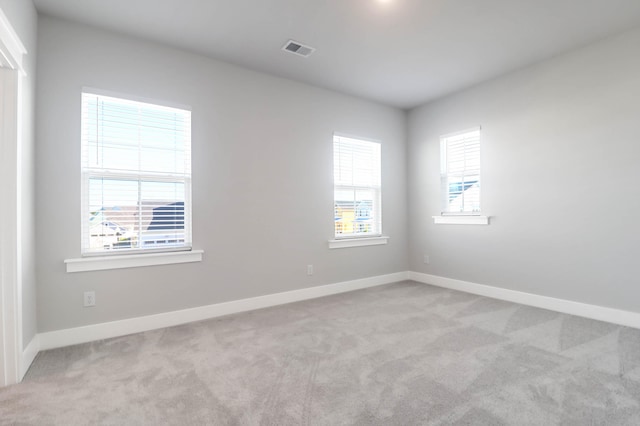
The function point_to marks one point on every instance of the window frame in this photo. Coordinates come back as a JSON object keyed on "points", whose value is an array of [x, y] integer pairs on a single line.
{"points": [[359, 238], [463, 217], [88, 173], [446, 175]]}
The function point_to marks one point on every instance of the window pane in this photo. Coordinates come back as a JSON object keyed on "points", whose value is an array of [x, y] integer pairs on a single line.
{"points": [[162, 214], [137, 165], [344, 211], [461, 172], [357, 187], [112, 213]]}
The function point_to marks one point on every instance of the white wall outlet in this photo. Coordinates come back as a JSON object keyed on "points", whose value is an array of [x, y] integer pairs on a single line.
{"points": [[89, 298], [426, 259], [309, 269]]}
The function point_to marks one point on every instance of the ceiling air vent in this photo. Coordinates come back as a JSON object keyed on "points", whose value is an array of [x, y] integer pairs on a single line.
{"points": [[298, 48]]}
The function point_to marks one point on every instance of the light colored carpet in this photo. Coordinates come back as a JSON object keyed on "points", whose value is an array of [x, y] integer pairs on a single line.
{"points": [[401, 354]]}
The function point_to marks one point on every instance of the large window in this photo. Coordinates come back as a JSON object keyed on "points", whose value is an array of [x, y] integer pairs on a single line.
{"points": [[136, 175], [357, 199], [460, 172]]}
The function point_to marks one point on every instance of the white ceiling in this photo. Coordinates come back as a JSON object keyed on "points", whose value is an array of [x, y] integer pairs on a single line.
{"points": [[398, 52]]}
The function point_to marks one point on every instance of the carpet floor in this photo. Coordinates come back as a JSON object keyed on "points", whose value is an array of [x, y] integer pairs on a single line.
{"points": [[400, 354]]}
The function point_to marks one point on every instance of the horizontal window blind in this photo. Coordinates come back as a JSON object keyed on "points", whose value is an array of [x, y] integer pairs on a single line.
{"points": [[357, 187], [136, 176], [460, 174]]}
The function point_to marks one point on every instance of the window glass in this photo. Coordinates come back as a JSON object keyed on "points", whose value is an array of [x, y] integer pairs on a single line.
{"points": [[357, 187], [136, 175], [460, 172]]}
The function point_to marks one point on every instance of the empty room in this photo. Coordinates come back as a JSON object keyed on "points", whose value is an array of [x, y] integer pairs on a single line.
{"points": [[307, 212]]}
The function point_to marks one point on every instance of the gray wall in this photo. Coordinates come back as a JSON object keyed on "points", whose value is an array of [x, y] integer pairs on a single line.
{"points": [[262, 179], [24, 20], [560, 167]]}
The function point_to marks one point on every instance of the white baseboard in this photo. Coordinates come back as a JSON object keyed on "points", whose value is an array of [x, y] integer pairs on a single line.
{"points": [[28, 355], [73, 336], [600, 313]]}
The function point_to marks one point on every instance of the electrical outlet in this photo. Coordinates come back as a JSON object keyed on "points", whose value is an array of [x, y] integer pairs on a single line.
{"points": [[426, 259], [89, 298], [309, 269]]}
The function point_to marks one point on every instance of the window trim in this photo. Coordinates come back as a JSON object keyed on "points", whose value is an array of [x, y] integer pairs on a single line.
{"points": [[359, 239], [87, 175], [463, 217], [373, 240], [135, 98], [461, 220], [100, 263], [444, 193]]}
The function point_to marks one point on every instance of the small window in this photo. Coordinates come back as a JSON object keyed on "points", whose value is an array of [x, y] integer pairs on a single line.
{"points": [[460, 172], [136, 176], [357, 189]]}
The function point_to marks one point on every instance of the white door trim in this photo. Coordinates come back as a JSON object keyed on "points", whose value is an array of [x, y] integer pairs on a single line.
{"points": [[11, 74], [11, 48]]}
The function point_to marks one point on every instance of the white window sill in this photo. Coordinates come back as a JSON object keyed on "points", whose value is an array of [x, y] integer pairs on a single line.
{"points": [[461, 220], [358, 242], [132, 260]]}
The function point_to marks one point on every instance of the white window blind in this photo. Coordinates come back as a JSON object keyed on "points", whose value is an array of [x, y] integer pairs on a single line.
{"points": [[460, 172], [357, 188], [136, 176]]}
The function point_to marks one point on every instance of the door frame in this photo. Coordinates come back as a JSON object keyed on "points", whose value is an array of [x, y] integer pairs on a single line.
{"points": [[11, 74]]}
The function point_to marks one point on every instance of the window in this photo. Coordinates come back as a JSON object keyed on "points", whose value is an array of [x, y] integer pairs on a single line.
{"points": [[136, 176], [357, 199], [460, 172]]}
